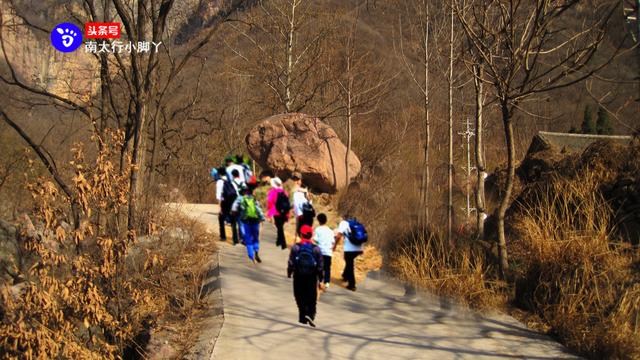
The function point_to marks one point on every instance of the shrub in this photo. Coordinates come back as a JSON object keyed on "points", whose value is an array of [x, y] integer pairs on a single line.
{"points": [[89, 292], [573, 273]]}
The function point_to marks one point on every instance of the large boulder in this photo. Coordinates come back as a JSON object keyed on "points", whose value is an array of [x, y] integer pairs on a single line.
{"points": [[297, 142]]}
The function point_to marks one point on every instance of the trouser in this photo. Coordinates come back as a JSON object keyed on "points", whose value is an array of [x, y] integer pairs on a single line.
{"points": [[349, 274], [298, 225], [280, 221], [305, 290], [234, 228], [327, 268], [251, 237], [240, 229], [223, 216]]}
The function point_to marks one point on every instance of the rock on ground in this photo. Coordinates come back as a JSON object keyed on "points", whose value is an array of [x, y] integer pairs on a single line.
{"points": [[287, 143]]}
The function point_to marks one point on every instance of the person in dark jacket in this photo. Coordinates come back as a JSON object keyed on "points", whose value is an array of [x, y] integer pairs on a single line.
{"points": [[305, 264]]}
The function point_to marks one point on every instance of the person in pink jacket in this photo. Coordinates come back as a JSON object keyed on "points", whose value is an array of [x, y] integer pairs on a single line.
{"points": [[278, 208]]}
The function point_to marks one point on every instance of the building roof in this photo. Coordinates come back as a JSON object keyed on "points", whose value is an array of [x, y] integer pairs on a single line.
{"points": [[570, 142]]}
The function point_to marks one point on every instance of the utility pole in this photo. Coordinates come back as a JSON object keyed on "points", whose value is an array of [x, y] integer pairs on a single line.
{"points": [[467, 135]]}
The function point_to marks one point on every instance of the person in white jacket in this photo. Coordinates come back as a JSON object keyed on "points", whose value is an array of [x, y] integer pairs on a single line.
{"points": [[300, 197], [351, 252], [220, 176]]}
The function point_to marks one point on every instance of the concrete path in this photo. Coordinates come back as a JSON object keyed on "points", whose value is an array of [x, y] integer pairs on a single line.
{"points": [[376, 322]]}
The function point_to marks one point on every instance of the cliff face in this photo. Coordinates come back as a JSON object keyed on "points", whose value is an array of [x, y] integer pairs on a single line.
{"points": [[75, 75], [36, 62]]}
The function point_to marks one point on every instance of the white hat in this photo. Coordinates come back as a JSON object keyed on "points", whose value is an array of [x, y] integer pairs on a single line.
{"points": [[276, 182]]}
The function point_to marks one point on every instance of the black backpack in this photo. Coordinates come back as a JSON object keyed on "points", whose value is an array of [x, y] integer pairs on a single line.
{"points": [[229, 193], [305, 261], [283, 205], [308, 212]]}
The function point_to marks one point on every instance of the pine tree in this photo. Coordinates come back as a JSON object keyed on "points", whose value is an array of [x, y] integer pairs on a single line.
{"points": [[603, 124], [588, 127]]}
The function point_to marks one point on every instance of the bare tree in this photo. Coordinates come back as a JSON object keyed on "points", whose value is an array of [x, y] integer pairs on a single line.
{"points": [[280, 45], [481, 171], [130, 90], [420, 19], [362, 85], [527, 48], [450, 138]]}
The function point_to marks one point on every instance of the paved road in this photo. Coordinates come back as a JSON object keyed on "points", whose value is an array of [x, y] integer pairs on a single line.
{"points": [[377, 322]]}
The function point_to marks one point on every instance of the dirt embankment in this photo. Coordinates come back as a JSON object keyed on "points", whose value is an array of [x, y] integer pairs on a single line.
{"points": [[573, 234], [615, 165]]}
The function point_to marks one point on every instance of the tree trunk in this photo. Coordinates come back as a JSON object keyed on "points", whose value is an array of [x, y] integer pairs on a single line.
{"points": [[288, 101], [427, 130], [346, 157], [450, 167], [504, 202], [137, 163], [480, 166], [154, 152]]}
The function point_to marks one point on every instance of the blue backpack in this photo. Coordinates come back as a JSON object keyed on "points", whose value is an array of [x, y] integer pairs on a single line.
{"points": [[357, 232], [305, 260], [214, 174]]}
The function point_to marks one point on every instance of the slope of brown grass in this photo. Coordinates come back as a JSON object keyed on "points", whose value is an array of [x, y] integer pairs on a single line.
{"points": [[574, 273]]}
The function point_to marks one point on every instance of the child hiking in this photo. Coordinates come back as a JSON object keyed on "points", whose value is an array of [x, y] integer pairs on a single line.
{"points": [[305, 264], [325, 239], [354, 235], [249, 212]]}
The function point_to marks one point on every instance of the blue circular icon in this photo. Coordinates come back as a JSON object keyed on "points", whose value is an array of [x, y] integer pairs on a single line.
{"points": [[66, 37]]}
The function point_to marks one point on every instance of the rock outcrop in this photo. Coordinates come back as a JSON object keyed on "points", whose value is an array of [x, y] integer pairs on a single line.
{"points": [[297, 142]]}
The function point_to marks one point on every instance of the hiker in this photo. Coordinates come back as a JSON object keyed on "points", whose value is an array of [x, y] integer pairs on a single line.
{"points": [[324, 237], [220, 176], [266, 176], [231, 192], [245, 163], [354, 236], [232, 165], [278, 208], [305, 264], [250, 214], [302, 207]]}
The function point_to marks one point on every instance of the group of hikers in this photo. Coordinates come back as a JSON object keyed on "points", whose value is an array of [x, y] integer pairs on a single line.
{"points": [[310, 258]]}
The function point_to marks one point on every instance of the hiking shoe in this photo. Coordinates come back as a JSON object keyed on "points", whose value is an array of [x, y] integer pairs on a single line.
{"points": [[310, 321], [258, 257]]}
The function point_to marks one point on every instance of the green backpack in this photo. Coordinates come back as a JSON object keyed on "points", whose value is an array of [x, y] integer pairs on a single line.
{"points": [[249, 209]]}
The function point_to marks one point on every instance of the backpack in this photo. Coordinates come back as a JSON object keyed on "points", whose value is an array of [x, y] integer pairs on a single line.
{"points": [[308, 212], [305, 261], [357, 232], [249, 209], [229, 193], [246, 171], [283, 205], [214, 174]]}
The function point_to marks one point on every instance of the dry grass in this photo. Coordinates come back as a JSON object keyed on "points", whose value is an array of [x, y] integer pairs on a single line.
{"points": [[574, 274], [177, 259], [424, 259]]}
